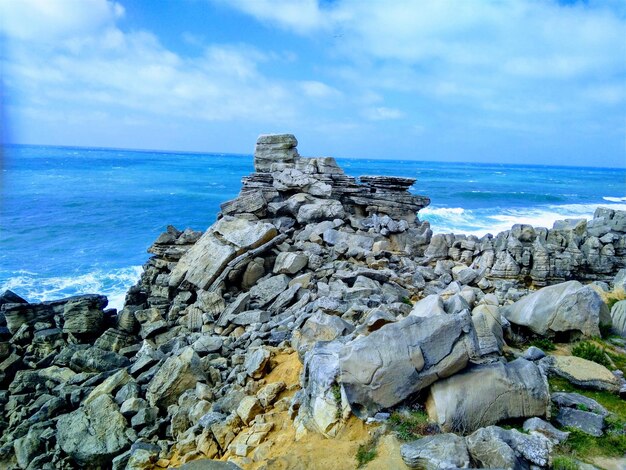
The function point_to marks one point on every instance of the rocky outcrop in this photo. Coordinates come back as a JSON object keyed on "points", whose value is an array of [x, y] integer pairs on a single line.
{"points": [[339, 275]]}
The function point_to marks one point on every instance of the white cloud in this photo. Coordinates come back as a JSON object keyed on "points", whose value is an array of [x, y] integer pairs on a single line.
{"points": [[315, 89], [382, 113], [56, 19]]}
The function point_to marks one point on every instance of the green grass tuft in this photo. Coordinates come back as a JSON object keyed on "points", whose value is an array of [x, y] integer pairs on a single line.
{"points": [[591, 352], [406, 300], [563, 462], [366, 453], [544, 344], [411, 425]]}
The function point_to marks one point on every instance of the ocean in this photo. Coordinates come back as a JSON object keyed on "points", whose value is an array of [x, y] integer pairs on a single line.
{"points": [[79, 220]]}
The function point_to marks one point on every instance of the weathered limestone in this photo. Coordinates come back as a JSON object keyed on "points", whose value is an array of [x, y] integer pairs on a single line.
{"points": [[176, 374], [489, 393], [399, 359], [565, 307], [438, 451], [581, 372]]}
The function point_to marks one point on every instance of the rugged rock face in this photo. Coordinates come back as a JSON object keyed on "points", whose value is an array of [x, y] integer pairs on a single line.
{"points": [[339, 273]]}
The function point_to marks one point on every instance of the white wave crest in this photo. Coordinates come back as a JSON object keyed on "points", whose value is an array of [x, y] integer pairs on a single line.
{"points": [[114, 284], [479, 222], [614, 199]]}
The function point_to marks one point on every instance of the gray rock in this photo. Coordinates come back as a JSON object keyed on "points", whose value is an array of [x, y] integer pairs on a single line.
{"points": [[227, 238], [494, 447], [97, 360], [82, 316], [177, 374], [533, 353], [205, 464], [538, 425], [256, 362], [290, 263], [619, 281], [488, 325], [581, 372], [251, 317], [489, 393], [382, 369], [428, 306], [94, 434], [578, 401], [321, 209], [274, 150], [564, 307], [441, 451], [618, 317], [586, 421], [319, 327], [268, 289]]}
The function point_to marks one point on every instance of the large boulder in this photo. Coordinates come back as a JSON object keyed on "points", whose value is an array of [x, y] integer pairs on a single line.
{"points": [[226, 239], [83, 316], [562, 308], [382, 369], [94, 434], [489, 393], [319, 327], [177, 374]]}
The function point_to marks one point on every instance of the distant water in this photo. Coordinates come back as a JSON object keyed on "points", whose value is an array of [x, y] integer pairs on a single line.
{"points": [[76, 220]]}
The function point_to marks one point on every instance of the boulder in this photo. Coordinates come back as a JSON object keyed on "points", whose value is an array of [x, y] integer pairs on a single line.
{"points": [[441, 451], [94, 434], [321, 209], [382, 369], [494, 447], [94, 359], [565, 307], [489, 393], [618, 318], [487, 322], [256, 362], [273, 151], [319, 327], [227, 238], [82, 316], [176, 374], [290, 263], [268, 289], [538, 425], [581, 372]]}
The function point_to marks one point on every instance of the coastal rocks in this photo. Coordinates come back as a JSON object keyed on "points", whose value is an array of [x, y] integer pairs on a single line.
{"points": [[94, 434], [487, 394], [208, 257], [83, 316], [581, 372], [176, 374], [273, 151], [580, 412], [561, 308], [618, 318], [494, 447], [385, 367], [438, 451]]}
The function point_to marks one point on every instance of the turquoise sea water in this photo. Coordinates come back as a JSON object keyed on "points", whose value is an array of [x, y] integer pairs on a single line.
{"points": [[77, 220]]}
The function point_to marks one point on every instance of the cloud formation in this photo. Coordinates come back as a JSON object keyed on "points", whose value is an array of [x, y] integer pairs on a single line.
{"points": [[464, 70]]}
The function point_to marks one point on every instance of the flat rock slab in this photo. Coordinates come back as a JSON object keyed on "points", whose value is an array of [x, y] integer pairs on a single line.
{"points": [[581, 372], [487, 394]]}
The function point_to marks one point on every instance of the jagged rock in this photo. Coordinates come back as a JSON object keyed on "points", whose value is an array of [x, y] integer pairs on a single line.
{"points": [[489, 393], [321, 209], [94, 359], [565, 307], [208, 257], [176, 374], [10, 297], [533, 353], [268, 394], [251, 317], [619, 281], [439, 451], [428, 306], [488, 325], [268, 289], [399, 359], [248, 408], [581, 372], [589, 423], [256, 362], [94, 434], [319, 327], [290, 263], [494, 447], [82, 316]]}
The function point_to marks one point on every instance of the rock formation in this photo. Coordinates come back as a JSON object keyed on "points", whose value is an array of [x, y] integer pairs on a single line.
{"points": [[339, 273]]}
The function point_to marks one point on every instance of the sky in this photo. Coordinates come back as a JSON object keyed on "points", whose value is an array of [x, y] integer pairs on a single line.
{"points": [[509, 81]]}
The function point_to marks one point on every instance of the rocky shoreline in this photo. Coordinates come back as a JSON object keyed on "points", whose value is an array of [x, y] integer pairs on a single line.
{"points": [[318, 303]]}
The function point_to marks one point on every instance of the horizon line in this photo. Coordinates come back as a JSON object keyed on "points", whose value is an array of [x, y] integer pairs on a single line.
{"points": [[234, 154]]}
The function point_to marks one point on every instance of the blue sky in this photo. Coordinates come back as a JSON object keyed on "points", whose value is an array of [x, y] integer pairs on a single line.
{"points": [[510, 81]]}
